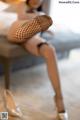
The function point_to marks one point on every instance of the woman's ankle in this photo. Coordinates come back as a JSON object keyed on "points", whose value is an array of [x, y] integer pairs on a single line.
{"points": [[59, 104]]}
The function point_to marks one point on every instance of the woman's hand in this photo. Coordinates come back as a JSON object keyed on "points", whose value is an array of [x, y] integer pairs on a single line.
{"points": [[29, 16], [26, 16]]}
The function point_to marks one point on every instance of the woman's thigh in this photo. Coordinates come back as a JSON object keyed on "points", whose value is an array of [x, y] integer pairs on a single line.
{"points": [[32, 44]]}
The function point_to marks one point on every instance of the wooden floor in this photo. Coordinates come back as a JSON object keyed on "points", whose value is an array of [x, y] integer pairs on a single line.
{"points": [[33, 92]]}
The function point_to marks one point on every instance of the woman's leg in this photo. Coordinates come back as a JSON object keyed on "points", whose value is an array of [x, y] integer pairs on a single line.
{"points": [[48, 52], [38, 47], [21, 30]]}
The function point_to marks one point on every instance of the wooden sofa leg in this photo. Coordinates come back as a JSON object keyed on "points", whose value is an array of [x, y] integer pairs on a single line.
{"points": [[6, 64]]}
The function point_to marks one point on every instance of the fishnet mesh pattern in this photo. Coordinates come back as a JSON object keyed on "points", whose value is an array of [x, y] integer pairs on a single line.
{"points": [[27, 30], [21, 31], [45, 22]]}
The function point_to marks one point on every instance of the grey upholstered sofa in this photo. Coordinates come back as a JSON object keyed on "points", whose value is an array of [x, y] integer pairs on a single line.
{"points": [[62, 41]]}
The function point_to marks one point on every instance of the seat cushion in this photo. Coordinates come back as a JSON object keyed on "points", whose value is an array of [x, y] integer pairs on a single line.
{"points": [[8, 49]]}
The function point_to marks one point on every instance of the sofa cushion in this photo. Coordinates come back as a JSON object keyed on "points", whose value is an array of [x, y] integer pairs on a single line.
{"points": [[8, 49]]}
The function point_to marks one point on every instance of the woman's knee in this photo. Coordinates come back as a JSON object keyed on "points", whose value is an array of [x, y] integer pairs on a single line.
{"points": [[47, 50]]}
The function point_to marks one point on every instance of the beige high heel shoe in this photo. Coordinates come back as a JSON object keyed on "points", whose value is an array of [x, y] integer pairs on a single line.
{"points": [[12, 109], [62, 116]]}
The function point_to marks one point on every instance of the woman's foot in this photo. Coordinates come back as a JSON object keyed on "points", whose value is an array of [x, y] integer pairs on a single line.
{"points": [[62, 116], [61, 112], [10, 105], [22, 30]]}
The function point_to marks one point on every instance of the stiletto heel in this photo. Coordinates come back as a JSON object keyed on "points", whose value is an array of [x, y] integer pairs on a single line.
{"points": [[10, 105]]}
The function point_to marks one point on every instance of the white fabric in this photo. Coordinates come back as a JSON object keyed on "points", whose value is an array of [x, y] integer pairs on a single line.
{"points": [[8, 14], [6, 19], [3, 6]]}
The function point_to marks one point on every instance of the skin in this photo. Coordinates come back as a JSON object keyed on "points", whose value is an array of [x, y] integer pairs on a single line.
{"points": [[46, 51], [34, 3], [11, 1]]}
